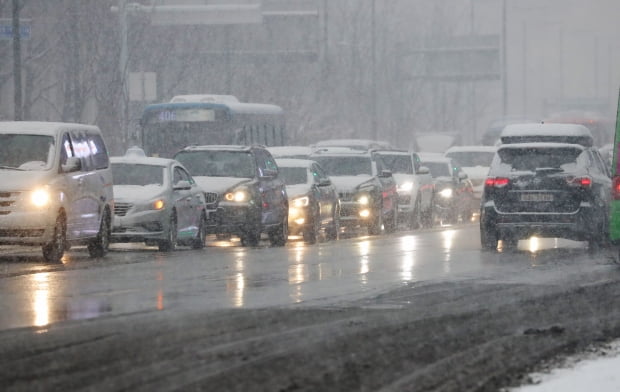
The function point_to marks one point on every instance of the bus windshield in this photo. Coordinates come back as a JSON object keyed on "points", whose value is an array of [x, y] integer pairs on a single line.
{"points": [[165, 139]]}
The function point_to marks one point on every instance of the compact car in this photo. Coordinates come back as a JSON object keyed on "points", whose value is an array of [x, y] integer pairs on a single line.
{"points": [[157, 202], [313, 200]]}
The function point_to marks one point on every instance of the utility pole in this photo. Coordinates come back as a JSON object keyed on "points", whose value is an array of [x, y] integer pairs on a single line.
{"points": [[123, 64], [503, 60], [373, 70], [17, 64]]}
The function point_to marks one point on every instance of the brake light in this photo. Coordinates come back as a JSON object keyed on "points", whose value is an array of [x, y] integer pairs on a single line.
{"points": [[615, 189], [584, 182], [496, 182]]}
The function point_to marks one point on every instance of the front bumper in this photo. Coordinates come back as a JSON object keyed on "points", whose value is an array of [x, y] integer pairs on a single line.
{"points": [[355, 214], [27, 227], [140, 226]]}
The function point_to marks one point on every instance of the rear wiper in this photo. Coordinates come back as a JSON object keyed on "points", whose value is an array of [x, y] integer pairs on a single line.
{"points": [[11, 168]]}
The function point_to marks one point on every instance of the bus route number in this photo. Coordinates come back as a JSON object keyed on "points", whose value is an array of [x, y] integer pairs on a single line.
{"points": [[167, 115]]}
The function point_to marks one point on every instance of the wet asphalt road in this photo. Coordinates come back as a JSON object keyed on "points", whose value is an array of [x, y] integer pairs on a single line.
{"points": [[134, 278]]}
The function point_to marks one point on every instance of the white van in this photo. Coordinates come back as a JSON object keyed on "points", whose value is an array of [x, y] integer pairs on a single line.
{"points": [[55, 187]]}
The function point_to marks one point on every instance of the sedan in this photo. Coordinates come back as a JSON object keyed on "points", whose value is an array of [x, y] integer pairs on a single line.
{"points": [[313, 200], [156, 202]]}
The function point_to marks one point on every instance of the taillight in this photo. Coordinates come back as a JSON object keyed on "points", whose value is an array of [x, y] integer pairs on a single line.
{"points": [[496, 182], [584, 182], [615, 189]]}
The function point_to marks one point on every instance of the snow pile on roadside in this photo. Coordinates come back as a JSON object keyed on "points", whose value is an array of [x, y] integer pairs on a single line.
{"points": [[595, 371]]}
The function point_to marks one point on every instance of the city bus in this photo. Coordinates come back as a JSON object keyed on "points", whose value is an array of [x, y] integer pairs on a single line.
{"points": [[166, 128]]}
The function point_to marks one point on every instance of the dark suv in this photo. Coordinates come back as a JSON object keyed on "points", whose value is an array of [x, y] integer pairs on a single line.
{"points": [[244, 191], [545, 188]]}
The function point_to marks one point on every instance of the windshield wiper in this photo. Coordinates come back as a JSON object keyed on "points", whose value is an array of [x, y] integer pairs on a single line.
{"points": [[11, 168]]}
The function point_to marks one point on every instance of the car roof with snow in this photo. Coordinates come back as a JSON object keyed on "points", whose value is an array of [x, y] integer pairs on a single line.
{"points": [[136, 155], [220, 147], [534, 145], [41, 127], [562, 133], [293, 162], [366, 144], [339, 151], [290, 151], [472, 148]]}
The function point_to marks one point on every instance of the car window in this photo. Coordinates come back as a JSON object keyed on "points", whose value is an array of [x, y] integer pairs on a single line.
{"points": [[397, 163], [345, 166], [81, 147], [416, 162], [265, 161], [438, 169], [318, 173], [137, 174], [99, 152], [239, 164], [294, 175], [533, 158], [179, 175], [27, 152]]}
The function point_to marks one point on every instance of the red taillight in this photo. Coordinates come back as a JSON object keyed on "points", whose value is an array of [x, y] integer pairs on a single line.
{"points": [[496, 182], [584, 182], [615, 189]]}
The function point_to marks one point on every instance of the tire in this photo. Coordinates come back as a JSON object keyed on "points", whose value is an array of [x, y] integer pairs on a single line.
{"points": [[488, 236], [279, 236], [100, 245], [428, 219], [199, 241], [170, 243], [415, 221], [333, 231], [509, 242], [55, 249], [374, 227], [251, 237], [312, 232]]}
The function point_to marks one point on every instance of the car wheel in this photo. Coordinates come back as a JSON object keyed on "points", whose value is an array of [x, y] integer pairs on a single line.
{"points": [[170, 243], [416, 221], [509, 242], [251, 235], [333, 231], [199, 241], [374, 227], [312, 230], [279, 236], [55, 249], [100, 245], [488, 235]]}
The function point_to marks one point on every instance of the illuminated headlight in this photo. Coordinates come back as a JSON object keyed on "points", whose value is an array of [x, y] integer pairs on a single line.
{"points": [[447, 193], [238, 196], [301, 202], [158, 204], [364, 213], [405, 187], [40, 198], [363, 200]]}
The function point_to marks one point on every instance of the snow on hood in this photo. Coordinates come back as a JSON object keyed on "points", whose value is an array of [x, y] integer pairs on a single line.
{"points": [[349, 183], [137, 193], [18, 180], [218, 184], [297, 190]]}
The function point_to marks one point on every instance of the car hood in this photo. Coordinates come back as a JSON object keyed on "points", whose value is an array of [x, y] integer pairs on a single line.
{"points": [[401, 178], [350, 183], [18, 180], [219, 184], [297, 190], [136, 193]]}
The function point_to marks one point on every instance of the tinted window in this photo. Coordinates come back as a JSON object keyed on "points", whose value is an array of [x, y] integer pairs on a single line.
{"points": [[294, 175], [218, 163], [539, 157], [397, 163], [438, 169], [345, 166]]}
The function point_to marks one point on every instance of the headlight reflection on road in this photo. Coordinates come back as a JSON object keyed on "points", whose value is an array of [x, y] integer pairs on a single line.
{"points": [[235, 285], [408, 245], [364, 249], [41, 305]]}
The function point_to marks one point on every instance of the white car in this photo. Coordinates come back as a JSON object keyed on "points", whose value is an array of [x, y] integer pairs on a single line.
{"points": [[295, 152], [156, 202], [475, 162], [414, 187]]}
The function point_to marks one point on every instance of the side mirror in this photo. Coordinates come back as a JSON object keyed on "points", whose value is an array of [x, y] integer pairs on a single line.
{"points": [[182, 185], [462, 176], [385, 174], [73, 164], [325, 182], [266, 173], [423, 170]]}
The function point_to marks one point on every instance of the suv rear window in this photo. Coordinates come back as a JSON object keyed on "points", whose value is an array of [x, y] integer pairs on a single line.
{"points": [[345, 166], [532, 158]]}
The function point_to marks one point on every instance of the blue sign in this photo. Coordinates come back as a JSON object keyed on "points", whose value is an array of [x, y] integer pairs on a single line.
{"points": [[6, 29]]}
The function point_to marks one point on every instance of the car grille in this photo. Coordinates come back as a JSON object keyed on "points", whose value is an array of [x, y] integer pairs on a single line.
{"points": [[7, 199], [211, 197], [404, 199], [345, 196], [121, 209]]}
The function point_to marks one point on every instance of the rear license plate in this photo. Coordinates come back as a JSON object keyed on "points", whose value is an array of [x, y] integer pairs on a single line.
{"points": [[536, 197]]}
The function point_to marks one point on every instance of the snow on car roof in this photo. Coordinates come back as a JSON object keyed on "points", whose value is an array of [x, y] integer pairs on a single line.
{"points": [[540, 145], [290, 150], [471, 149], [217, 147], [135, 160], [40, 127], [560, 130], [291, 162], [339, 151], [353, 143]]}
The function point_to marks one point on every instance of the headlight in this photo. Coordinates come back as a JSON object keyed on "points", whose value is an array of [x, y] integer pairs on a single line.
{"points": [[406, 187], [301, 201], [447, 193], [363, 200], [238, 196], [40, 197], [158, 204]]}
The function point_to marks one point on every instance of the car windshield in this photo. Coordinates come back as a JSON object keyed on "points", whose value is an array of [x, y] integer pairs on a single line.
{"points": [[438, 169], [532, 158], [218, 163], [137, 174], [401, 164], [471, 158], [345, 166], [26, 152], [294, 175]]}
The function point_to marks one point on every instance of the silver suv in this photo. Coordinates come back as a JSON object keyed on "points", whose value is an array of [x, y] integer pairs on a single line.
{"points": [[55, 187]]}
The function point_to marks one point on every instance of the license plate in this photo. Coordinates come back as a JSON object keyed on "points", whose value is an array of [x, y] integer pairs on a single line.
{"points": [[536, 197]]}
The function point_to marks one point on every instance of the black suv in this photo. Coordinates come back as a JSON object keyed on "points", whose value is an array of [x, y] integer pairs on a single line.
{"points": [[547, 181], [244, 191]]}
